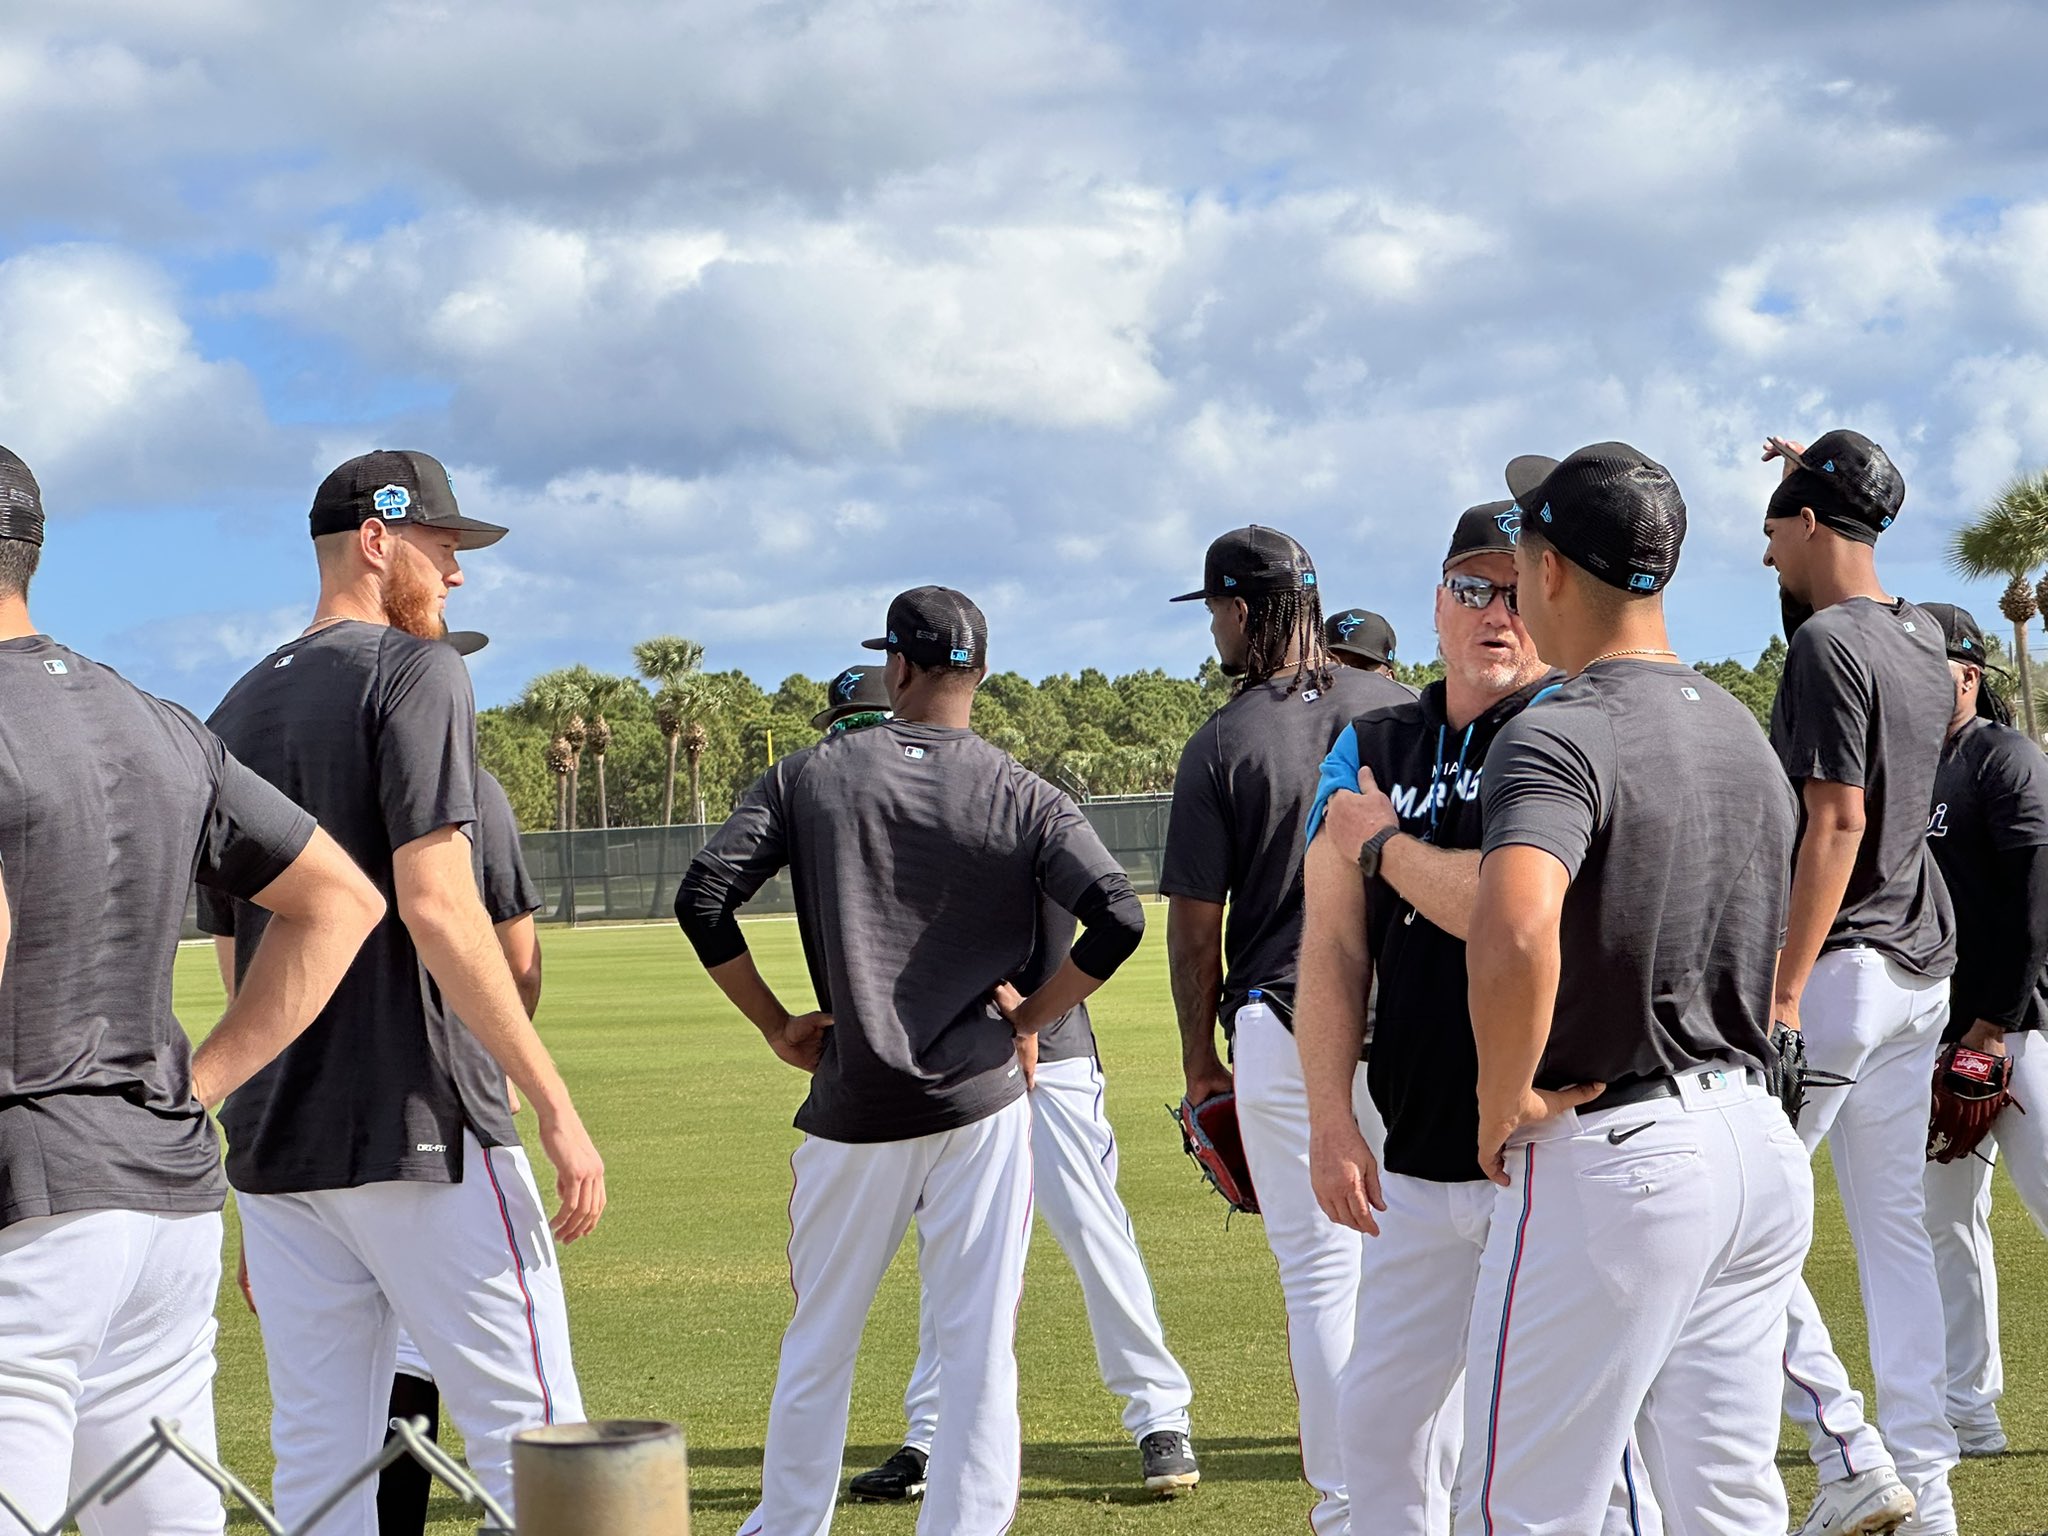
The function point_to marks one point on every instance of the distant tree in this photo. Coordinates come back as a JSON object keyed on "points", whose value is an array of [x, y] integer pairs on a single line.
{"points": [[603, 693], [2009, 538], [556, 700], [665, 661]]}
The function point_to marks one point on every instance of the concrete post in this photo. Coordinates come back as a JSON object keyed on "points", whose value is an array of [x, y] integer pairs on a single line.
{"points": [[615, 1477]]}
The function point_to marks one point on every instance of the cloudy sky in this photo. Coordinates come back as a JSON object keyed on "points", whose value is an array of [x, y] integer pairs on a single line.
{"points": [[745, 315]]}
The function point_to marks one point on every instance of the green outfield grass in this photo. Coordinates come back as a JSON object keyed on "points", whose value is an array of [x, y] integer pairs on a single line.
{"points": [[679, 1299]]}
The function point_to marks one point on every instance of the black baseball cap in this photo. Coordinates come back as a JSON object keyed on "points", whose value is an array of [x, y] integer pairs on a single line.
{"points": [[856, 691], [1360, 632], [1487, 529], [395, 486], [1964, 641], [467, 642], [1850, 483], [21, 501], [1608, 509], [1247, 561], [934, 627]]}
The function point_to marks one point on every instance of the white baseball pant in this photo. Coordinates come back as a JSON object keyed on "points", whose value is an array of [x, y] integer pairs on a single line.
{"points": [[1074, 1162], [1318, 1259], [1403, 1391], [1869, 1019], [469, 1270], [106, 1322], [1637, 1284], [1959, 1222], [969, 1191]]}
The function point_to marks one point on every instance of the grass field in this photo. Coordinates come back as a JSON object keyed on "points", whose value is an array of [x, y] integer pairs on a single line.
{"points": [[679, 1299]]}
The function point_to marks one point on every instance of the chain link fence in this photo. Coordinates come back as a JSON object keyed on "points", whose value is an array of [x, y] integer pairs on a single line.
{"points": [[631, 873], [164, 1443]]}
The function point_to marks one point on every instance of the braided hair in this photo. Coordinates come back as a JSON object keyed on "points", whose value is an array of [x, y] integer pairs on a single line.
{"points": [[1274, 624]]}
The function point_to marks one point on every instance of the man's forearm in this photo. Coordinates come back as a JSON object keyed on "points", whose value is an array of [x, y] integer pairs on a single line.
{"points": [[1440, 883], [746, 989], [1335, 975], [1825, 860], [460, 951], [1068, 989], [1194, 965]]}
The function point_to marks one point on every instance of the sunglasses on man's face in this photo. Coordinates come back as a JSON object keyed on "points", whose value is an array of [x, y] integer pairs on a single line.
{"points": [[1477, 593]]}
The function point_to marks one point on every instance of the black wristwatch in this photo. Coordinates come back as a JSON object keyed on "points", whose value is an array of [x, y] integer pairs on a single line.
{"points": [[1369, 854]]}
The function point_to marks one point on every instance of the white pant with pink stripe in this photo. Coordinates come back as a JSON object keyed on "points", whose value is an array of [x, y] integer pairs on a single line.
{"points": [[469, 1270], [1635, 1276], [969, 1191]]}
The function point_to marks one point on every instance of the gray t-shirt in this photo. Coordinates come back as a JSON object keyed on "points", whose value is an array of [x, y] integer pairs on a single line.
{"points": [[111, 803], [1241, 799], [1657, 792], [374, 731], [1865, 701], [918, 855]]}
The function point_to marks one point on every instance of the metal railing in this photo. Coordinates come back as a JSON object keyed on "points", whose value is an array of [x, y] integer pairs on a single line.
{"points": [[409, 1437]]}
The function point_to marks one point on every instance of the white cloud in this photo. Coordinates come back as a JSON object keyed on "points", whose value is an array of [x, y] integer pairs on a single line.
{"points": [[101, 387], [745, 315]]}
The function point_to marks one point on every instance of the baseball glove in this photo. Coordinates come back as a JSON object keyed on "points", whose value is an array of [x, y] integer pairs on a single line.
{"points": [[1790, 1076], [1209, 1134], [1970, 1089]]}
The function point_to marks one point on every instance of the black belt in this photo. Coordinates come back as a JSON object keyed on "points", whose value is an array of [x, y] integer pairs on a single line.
{"points": [[1642, 1089]]}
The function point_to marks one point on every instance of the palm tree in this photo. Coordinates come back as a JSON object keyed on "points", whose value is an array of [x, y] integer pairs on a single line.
{"points": [[665, 661], [561, 763], [603, 691], [689, 702], [557, 700], [2010, 538]]}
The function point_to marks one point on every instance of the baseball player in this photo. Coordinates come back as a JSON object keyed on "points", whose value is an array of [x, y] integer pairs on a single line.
{"points": [[1235, 836], [510, 898], [372, 1129], [1653, 1206], [1989, 833], [918, 855], [857, 697], [1074, 1160], [1858, 724], [1358, 637], [110, 1183], [1390, 878]]}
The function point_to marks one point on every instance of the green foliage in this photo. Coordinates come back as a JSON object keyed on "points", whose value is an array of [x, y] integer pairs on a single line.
{"points": [[1090, 733], [2009, 537], [1755, 686]]}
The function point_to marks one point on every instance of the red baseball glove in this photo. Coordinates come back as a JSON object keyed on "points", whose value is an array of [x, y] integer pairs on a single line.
{"points": [[1971, 1088], [1209, 1135]]}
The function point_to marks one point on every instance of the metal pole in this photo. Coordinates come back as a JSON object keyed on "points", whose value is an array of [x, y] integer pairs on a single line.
{"points": [[614, 1477]]}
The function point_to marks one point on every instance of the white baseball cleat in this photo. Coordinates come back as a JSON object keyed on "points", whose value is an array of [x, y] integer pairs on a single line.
{"points": [[1873, 1503]]}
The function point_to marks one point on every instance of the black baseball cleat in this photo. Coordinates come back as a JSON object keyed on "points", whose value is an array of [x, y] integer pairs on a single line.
{"points": [[1169, 1458], [895, 1481]]}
